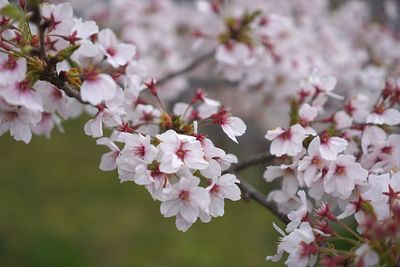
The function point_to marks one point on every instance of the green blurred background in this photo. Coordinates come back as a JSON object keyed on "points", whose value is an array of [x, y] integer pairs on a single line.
{"points": [[58, 209]]}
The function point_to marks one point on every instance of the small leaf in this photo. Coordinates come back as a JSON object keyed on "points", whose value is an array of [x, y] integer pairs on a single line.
{"points": [[13, 12], [65, 53]]}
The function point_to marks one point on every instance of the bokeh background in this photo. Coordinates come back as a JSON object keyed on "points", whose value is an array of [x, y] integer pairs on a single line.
{"points": [[58, 209]]}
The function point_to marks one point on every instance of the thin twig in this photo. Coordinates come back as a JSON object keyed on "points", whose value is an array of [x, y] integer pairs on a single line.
{"points": [[253, 160], [251, 192], [186, 69], [37, 19], [52, 77]]}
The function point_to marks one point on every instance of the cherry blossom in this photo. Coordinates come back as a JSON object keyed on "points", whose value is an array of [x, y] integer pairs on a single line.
{"points": [[308, 114], [221, 188], [381, 115], [334, 152], [109, 160], [312, 165], [97, 87], [330, 147], [298, 244], [288, 142], [234, 54], [12, 69], [179, 150], [18, 121], [59, 17], [232, 126], [357, 108], [22, 94], [366, 257], [299, 215], [317, 84], [343, 175], [117, 54], [185, 199]]}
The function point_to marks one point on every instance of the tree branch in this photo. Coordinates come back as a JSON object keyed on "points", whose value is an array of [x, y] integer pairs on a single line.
{"points": [[52, 77], [37, 19], [251, 192], [253, 160], [49, 74], [186, 69]]}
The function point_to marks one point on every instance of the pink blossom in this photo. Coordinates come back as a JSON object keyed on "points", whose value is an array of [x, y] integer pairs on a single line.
{"points": [[312, 165], [46, 124], [232, 126], [97, 87], [117, 54], [108, 160], [21, 94], [307, 114], [299, 215], [180, 150], [298, 244], [288, 142], [221, 188], [59, 17], [317, 84], [234, 54], [18, 121], [388, 116], [343, 175], [330, 147], [185, 198], [12, 70]]}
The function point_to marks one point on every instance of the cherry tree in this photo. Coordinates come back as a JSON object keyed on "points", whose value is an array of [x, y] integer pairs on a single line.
{"points": [[324, 90]]}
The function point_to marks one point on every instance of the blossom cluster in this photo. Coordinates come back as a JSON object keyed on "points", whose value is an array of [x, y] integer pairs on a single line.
{"points": [[262, 47], [344, 162], [54, 66], [168, 156], [338, 155]]}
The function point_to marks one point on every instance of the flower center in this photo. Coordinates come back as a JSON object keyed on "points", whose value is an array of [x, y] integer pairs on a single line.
{"points": [[139, 151], [23, 86], [90, 74], [147, 117], [181, 152], [349, 108], [387, 150], [56, 93], [316, 160], [115, 154], [10, 64], [325, 138], [308, 249], [340, 170], [220, 118], [10, 116], [379, 109], [52, 22], [215, 190], [111, 51], [286, 135], [184, 195]]}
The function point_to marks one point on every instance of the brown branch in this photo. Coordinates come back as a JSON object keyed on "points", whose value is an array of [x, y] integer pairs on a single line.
{"points": [[253, 160], [37, 20], [52, 77], [250, 192], [49, 74], [186, 69]]}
